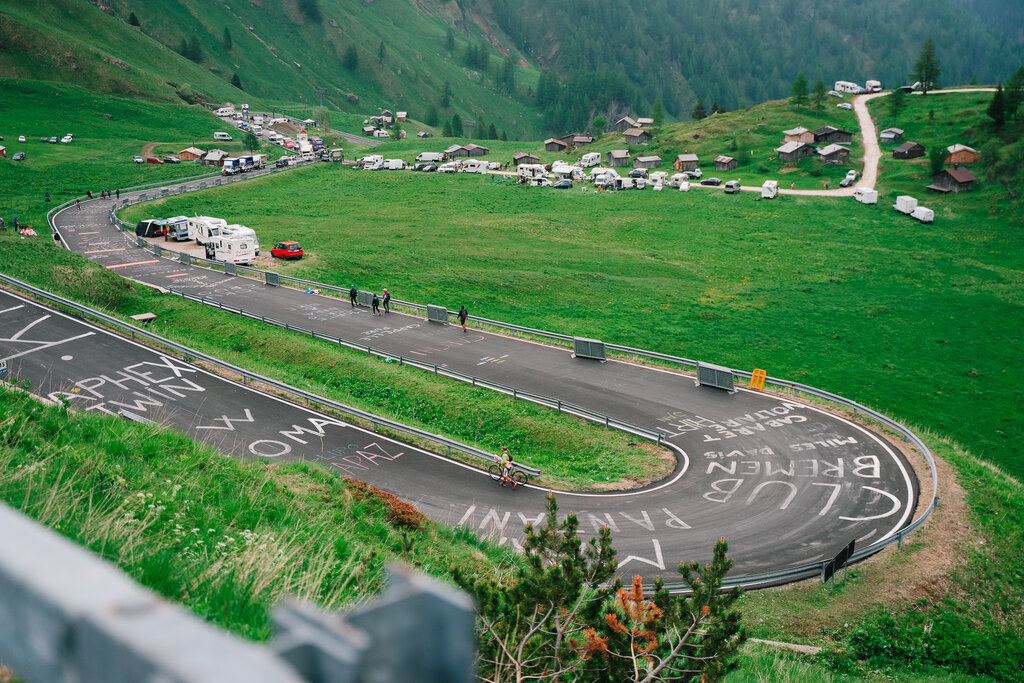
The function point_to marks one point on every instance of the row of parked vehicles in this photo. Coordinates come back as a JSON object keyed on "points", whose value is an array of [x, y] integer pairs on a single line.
{"points": [[230, 243]]}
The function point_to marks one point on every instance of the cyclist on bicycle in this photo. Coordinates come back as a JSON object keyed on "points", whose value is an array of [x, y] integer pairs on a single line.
{"points": [[506, 467]]}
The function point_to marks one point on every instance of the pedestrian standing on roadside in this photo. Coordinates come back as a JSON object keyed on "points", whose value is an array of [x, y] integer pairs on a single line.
{"points": [[118, 191], [78, 204], [376, 305], [89, 193], [352, 295], [47, 197], [387, 300], [463, 314]]}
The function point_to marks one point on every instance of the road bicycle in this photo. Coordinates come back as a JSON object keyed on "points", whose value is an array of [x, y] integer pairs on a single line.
{"points": [[519, 477]]}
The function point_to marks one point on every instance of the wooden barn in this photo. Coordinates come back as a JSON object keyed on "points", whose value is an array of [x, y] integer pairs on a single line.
{"points": [[962, 154], [890, 136], [635, 136], [952, 180], [618, 157], [653, 161], [725, 163], [794, 151], [624, 124], [829, 135], [834, 154], [799, 134], [909, 150], [555, 145], [686, 162], [191, 154], [524, 158]]}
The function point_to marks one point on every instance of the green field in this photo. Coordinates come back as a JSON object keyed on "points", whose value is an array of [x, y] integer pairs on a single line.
{"points": [[920, 322]]}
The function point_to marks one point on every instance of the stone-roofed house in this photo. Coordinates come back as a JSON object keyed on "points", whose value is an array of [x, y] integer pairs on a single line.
{"points": [[890, 136], [834, 154], [909, 150], [635, 136], [618, 157], [827, 135]]}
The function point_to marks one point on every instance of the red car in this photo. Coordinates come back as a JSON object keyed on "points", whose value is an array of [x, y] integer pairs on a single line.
{"points": [[153, 160], [287, 250]]}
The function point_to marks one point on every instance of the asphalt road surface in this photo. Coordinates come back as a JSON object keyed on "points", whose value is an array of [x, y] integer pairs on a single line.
{"points": [[786, 483]]}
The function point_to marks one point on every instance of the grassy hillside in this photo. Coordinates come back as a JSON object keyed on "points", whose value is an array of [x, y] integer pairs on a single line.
{"points": [[855, 299]]}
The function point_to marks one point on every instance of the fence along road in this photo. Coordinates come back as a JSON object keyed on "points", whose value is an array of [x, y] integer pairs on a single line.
{"points": [[787, 483]]}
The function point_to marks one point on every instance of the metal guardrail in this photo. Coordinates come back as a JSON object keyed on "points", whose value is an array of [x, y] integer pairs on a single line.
{"points": [[69, 616], [189, 354], [687, 364]]}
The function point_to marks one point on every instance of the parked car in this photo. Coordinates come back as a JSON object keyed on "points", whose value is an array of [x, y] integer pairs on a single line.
{"points": [[845, 105], [835, 93], [170, 159], [850, 179], [139, 160], [19, 156], [429, 168], [563, 184], [418, 167], [53, 140], [638, 173], [446, 168], [21, 138], [732, 187], [281, 162], [287, 250], [42, 139], [153, 160], [695, 174], [711, 181], [67, 138]]}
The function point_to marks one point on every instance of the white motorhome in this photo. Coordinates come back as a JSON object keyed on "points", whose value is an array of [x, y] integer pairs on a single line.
{"points": [[531, 171], [600, 175], [380, 133], [590, 159], [905, 204], [564, 170], [231, 249], [626, 183], [677, 179], [769, 189], [219, 135], [393, 164], [257, 120], [447, 168], [370, 159], [225, 111], [238, 230], [436, 157], [848, 86], [203, 228], [865, 195], [474, 166], [873, 86], [658, 178]]}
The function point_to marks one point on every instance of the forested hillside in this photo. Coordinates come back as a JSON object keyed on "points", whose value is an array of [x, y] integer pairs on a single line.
{"points": [[530, 67]]}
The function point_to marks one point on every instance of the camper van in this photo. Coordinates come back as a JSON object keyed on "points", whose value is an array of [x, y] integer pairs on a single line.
{"points": [[564, 170], [230, 249], [590, 159], [257, 120], [474, 166], [531, 171], [436, 157], [221, 136], [676, 178], [769, 189], [848, 87], [601, 175], [225, 111], [238, 230], [393, 164], [177, 229], [150, 228], [923, 214], [203, 228], [873, 86], [658, 178], [865, 195]]}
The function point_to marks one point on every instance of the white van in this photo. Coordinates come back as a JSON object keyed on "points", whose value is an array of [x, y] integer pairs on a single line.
{"points": [[393, 164], [865, 195], [225, 111], [590, 159], [447, 168], [657, 178], [873, 86], [923, 214], [204, 228], [221, 136], [600, 175], [769, 189], [530, 171], [238, 230], [430, 156], [257, 128]]}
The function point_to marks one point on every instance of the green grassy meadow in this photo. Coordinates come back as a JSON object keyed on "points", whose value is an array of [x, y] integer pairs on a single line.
{"points": [[920, 322]]}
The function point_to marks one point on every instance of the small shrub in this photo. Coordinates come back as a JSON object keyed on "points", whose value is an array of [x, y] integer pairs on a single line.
{"points": [[399, 513]]}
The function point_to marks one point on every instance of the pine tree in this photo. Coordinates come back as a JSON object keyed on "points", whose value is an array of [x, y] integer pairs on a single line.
{"points": [[504, 136], [133, 20], [446, 95], [227, 39], [997, 108], [492, 132], [800, 89], [449, 41], [183, 48], [897, 103], [658, 113], [937, 158], [457, 131], [381, 52], [699, 111], [351, 59], [926, 69], [1014, 94], [508, 75], [819, 94], [599, 124], [195, 53], [431, 117], [236, 81], [446, 131]]}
